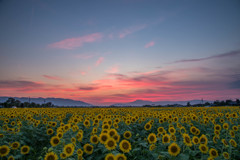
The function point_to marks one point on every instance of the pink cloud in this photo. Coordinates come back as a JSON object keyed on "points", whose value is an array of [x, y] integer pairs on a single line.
{"points": [[131, 30], [52, 77], [72, 43], [113, 69], [83, 73], [150, 44], [99, 61]]}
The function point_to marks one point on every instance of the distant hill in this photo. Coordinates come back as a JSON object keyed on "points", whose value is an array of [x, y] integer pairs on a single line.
{"points": [[142, 103], [55, 101]]}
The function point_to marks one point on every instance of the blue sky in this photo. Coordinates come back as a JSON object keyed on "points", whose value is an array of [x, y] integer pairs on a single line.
{"points": [[98, 51]]}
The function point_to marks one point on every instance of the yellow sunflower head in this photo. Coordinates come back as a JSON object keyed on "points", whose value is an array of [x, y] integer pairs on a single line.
{"points": [[174, 149], [203, 148], [127, 134], [25, 149], [125, 146], [203, 139], [233, 142], [55, 140], [94, 139], [152, 138], [103, 137], [88, 148], [213, 153], [51, 156], [109, 156], [187, 140], [226, 155], [15, 145], [110, 144], [4, 150], [195, 140], [120, 157], [79, 152], [68, 149], [165, 139]]}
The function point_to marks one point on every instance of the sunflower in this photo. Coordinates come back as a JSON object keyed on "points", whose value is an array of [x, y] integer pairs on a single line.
{"points": [[147, 126], [225, 126], [232, 133], [86, 123], [215, 139], [88, 148], [120, 157], [152, 138], [103, 137], [94, 139], [195, 140], [63, 156], [112, 132], [25, 149], [187, 140], [203, 139], [160, 130], [55, 141], [213, 153], [173, 137], [127, 134], [4, 150], [116, 137], [110, 144], [79, 152], [226, 155], [11, 158], [51, 156], [235, 128], [50, 131], [68, 149], [172, 130], [224, 142], [174, 149], [193, 130], [217, 127], [166, 138], [203, 148], [109, 156], [60, 135], [15, 145], [125, 146], [233, 142], [152, 147]]}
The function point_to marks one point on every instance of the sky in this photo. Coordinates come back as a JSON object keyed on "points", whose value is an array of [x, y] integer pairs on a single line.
{"points": [[105, 52]]}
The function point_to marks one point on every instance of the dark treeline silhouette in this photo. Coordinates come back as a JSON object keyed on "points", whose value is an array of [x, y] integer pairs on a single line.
{"points": [[11, 102]]}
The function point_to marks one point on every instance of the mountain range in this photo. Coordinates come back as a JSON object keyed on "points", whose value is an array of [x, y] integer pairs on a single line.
{"points": [[70, 102], [142, 103]]}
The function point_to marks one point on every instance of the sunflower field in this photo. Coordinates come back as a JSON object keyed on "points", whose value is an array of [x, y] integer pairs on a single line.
{"points": [[194, 133]]}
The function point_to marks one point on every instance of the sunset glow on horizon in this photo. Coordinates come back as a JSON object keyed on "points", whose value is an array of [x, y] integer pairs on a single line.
{"points": [[120, 51]]}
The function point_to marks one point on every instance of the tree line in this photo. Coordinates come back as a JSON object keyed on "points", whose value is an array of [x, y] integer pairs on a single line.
{"points": [[13, 102]]}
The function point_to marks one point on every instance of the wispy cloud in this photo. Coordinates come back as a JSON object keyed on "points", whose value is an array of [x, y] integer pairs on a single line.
{"points": [[76, 42], [52, 77], [84, 56], [99, 61], [131, 30], [19, 84], [228, 54], [113, 69], [150, 44]]}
